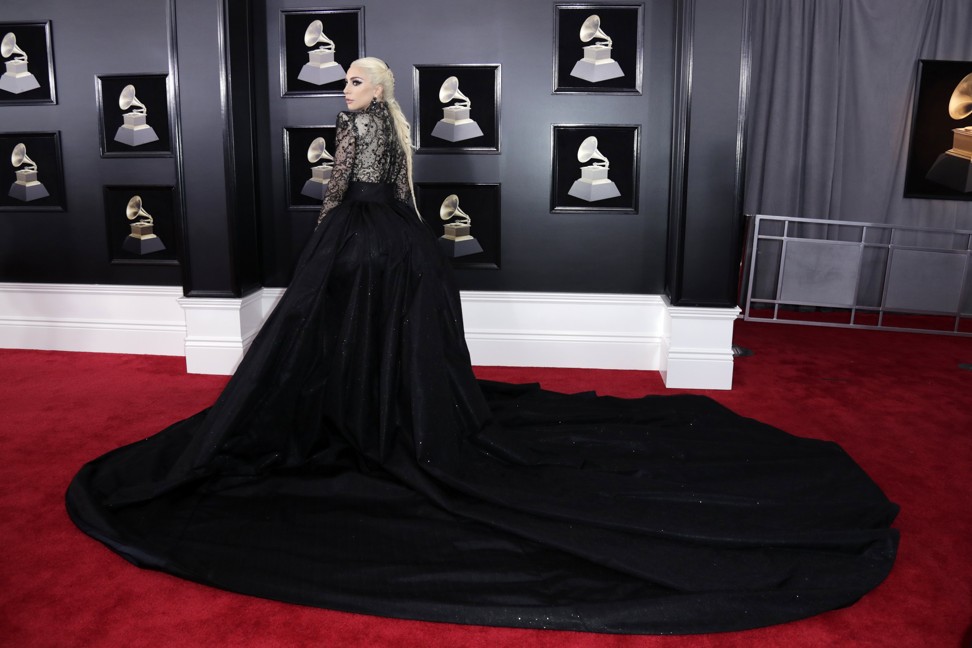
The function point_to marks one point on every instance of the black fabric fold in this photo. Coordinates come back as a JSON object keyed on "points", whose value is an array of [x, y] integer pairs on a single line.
{"points": [[354, 462]]}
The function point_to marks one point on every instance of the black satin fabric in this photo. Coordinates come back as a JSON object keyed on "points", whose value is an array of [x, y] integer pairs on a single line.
{"points": [[354, 462]]}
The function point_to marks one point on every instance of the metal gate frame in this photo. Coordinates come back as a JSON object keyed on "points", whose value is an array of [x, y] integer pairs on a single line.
{"points": [[886, 240]]}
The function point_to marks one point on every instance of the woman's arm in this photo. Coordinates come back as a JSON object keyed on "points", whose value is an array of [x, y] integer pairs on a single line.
{"points": [[403, 190], [344, 149]]}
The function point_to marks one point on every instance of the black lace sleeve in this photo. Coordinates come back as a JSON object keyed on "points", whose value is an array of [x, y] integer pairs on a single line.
{"points": [[344, 151], [403, 190]]}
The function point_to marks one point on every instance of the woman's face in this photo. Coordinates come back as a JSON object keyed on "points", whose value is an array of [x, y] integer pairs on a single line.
{"points": [[359, 90]]}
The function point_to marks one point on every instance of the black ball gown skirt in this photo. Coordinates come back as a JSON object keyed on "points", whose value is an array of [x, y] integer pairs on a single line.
{"points": [[354, 462]]}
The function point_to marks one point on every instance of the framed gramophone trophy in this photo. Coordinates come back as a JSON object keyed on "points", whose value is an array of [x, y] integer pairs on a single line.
{"points": [[308, 153], [142, 239], [595, 168], [320, 68], [28, 63], [598, 48], [940, 150], [141, 224], [26, 187], [593, 185], [323, 161], [17, 78], [465, 218], [596, 64], [31, 172], [457, 239], [134, 115], [135, 129], [456, 124], [953, 168], [316, 48], [456, 108]]}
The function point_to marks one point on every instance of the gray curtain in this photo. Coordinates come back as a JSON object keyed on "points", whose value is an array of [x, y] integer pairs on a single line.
{"points": [[832, 86], [831, 96]]}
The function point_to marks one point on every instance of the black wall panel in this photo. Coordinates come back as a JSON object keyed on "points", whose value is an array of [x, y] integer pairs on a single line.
{"points": [[228, 165], [215, 100], [712, 208], [240, 148], [108, 37], [541, 251], [705, 215]]}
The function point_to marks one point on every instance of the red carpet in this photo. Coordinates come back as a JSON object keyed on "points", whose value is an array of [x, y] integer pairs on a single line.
{"points": [[898, 403]]}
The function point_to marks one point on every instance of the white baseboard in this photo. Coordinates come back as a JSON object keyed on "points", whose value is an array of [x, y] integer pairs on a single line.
{"points": [[691, 347], [219, 331], [591, 331], [698, 347], [99, 318]]}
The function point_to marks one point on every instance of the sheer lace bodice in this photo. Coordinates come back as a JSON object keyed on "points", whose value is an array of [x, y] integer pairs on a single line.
{"points": [[366, 150]]}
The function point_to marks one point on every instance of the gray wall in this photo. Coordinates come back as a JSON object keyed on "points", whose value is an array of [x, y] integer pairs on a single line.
{"points": [[72, 246], [541, 251], [229, 169]]}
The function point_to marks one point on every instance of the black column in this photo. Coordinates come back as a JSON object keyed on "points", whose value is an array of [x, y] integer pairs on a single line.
{"points": [[216, 153], [711, 80]]}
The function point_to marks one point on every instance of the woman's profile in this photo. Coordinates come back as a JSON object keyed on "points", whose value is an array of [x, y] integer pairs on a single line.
{"points": [[354, 461]]}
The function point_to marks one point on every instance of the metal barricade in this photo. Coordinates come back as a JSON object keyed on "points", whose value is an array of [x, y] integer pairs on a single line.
{"points": [[861, 275]]}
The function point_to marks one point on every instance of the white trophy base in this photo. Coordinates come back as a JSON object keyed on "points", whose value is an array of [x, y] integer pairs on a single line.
{"points": [[456, 131], [136, 136], [321, 74], [463, 246], [595, 71], [593, 190], [17, 83], [28, 191], [314, 188], [144, 245], [953, 171]]}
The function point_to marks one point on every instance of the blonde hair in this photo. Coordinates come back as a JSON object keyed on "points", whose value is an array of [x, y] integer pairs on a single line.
{"points": [[381, 75]]}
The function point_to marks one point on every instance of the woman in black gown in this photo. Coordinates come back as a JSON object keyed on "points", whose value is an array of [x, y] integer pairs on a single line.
{"points": [[354, 462]]}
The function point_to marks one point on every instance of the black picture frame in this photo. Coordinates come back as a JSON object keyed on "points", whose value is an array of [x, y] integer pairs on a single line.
{"points": [[44, 150], [344, 27], [619, 143], [482, 203], [157, 200], [117, 137], [932, 136], [34, 39], [481, 84], [298, 170], [623, 23]]}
